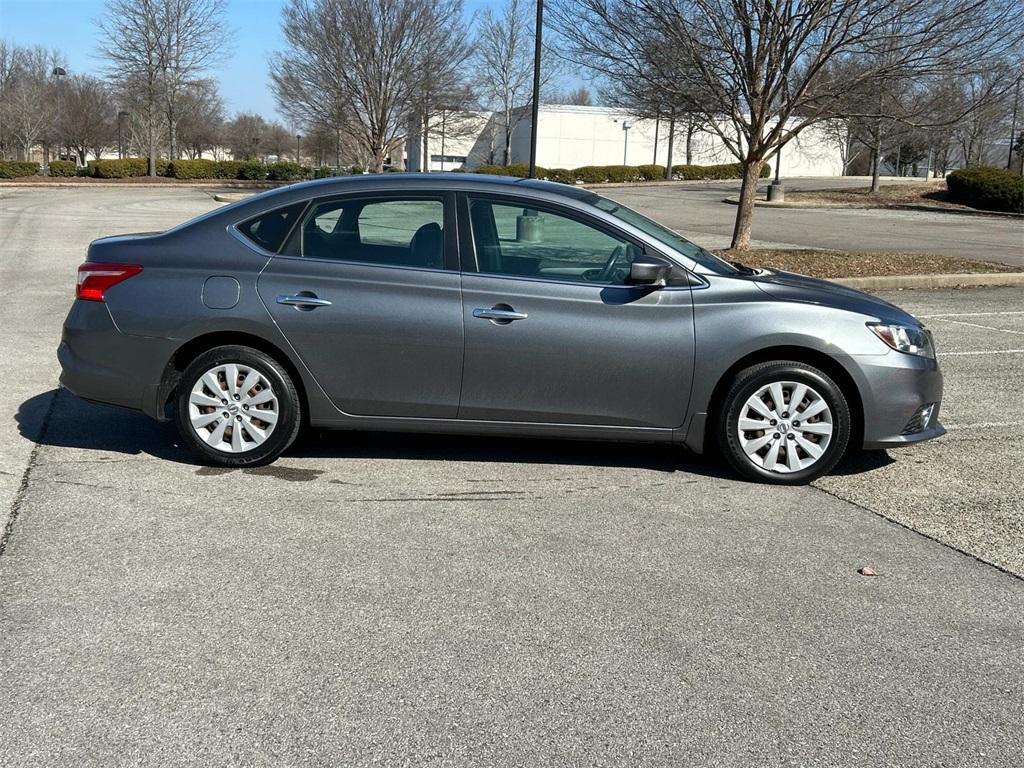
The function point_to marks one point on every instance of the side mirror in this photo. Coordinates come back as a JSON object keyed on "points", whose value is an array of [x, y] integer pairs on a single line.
{"points": [[649, 270]]}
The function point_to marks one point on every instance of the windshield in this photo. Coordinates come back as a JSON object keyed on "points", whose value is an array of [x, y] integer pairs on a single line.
{"points": [[665, 236]]}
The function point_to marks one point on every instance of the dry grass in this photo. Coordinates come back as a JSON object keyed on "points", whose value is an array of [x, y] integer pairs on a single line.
{"points": [[833, 264], [930, 193]]}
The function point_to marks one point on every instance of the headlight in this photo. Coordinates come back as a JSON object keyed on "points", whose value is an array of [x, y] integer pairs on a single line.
{"points": [[902, 338]]}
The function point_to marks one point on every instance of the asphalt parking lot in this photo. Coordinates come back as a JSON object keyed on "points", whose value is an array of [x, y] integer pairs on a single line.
{"points": [[387, 599]]}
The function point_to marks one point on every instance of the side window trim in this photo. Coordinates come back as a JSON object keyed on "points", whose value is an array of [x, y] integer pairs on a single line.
{"points": [[450, 229]]}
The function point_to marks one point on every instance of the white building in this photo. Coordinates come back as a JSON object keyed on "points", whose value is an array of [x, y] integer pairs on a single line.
{"points": [[571, 137]]}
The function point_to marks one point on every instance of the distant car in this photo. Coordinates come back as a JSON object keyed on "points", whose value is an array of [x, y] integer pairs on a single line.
{"points": [[484, 305]]}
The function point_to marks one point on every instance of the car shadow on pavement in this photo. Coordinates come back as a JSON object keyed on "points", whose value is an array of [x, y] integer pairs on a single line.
{"points": [[58, 418]]}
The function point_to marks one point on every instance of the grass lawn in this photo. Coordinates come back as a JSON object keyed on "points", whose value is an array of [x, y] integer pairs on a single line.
{"points": [[833, 264]]}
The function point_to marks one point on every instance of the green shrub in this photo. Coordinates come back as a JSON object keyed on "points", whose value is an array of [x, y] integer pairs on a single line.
{"points": [[714, 172], [252, 170], [13, 169], [83, 170], [287, 172], [561, 175], [62, 168], [356, 170], [623, 174], [192, 169], [592, 174], [987, 188], [128, 167], [651, 172]]}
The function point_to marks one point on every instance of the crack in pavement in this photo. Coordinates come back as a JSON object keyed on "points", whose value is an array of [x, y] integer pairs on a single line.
{"points": [[26, 476]]}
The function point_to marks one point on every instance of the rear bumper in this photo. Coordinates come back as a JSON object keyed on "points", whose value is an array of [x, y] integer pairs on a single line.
{"points": [[893, 388], [101, 364]]}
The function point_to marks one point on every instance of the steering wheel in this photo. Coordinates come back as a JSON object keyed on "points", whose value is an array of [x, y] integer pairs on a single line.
{"points": [[608, 271]]}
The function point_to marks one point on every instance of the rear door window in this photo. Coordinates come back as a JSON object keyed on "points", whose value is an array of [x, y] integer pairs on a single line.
{"points": [[390, 231]]}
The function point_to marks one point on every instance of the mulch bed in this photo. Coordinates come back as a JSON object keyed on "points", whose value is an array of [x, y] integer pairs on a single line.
{"points": [[834, 264]]}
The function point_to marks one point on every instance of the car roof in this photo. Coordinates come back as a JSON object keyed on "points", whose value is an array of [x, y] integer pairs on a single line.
{"points": [[441, 181]]}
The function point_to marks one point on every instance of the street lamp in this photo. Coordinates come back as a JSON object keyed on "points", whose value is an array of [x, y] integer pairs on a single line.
{"points": [[536, 90], [626, 125], [298, 148], [120, 141], [59, 72]]}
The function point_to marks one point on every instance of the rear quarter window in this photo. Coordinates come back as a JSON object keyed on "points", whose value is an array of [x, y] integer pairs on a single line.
{"points": [[269, 230]]}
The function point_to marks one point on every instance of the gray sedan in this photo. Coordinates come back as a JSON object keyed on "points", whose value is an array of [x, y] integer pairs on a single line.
{"points": [[475, 304]]}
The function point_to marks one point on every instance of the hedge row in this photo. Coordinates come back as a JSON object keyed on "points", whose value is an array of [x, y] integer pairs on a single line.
{"points": [[987, 188], [63, 168], [599, 174], [13, 169]]}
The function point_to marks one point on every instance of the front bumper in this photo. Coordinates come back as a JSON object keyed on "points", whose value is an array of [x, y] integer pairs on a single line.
{"points": [[894, 387], [101, 364]]}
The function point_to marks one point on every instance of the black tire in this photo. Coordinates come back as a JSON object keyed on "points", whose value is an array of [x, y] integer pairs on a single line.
{"points": [[748, 382], [289, 408]]}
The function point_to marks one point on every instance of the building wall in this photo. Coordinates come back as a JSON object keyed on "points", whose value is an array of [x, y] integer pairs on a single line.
{"points": [[570, 137]]}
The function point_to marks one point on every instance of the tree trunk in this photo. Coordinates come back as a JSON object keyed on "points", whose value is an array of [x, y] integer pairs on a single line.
{"points": [[657, 125], [689, 142], [671, 141], [745, 211]]}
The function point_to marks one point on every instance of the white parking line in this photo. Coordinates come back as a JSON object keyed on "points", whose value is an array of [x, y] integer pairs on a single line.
{"points": [[982, 425], [971, 314], [976, 325], [982, 352]]}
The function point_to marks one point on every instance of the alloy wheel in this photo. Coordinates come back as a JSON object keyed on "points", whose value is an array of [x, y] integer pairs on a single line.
{"points": [[785, 427], [233, 408]]}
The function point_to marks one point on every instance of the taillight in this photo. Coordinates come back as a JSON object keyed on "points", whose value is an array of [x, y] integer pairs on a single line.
{"points": [[95, 278]]}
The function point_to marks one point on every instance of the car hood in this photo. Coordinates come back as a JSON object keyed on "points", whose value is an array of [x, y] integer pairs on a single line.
{"points": [[788, 286]]}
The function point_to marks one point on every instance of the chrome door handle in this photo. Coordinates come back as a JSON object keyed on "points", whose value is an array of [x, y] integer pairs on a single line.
{"points": [[303, 301], [498, 314]]}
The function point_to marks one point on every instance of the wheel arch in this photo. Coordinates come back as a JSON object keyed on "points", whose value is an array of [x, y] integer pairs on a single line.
{"points": [[821, 360], [194, 347]]}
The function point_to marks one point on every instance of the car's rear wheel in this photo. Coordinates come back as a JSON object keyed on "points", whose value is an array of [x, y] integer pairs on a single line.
{"points": [[237, 407], [783, 422]]}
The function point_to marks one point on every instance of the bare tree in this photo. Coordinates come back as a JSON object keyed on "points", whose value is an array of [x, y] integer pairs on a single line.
{"points": [[579, 97], [88, 119], [503, 66], [28, 107], [357, 64], [200, 118], [246, 135], [153, 49], [194, 37], [765, 70]]}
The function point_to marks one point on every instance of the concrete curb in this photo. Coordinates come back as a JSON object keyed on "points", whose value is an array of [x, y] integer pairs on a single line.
{"points": [[893, 207], [210, 184], [893, 282]]}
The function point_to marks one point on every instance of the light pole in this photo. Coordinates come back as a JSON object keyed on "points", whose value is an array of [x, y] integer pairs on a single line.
{"points": [[626, 125], [120, 141], [444, 115], [1013, 121], [298, 148], [536, 90], [59, 72]]}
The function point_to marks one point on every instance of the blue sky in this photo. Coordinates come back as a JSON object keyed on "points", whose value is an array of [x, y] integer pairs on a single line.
{"points": [[68, 25]]}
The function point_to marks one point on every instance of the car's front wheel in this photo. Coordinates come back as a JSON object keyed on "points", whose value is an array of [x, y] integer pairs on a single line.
{"points": [[784, 422], [237, 407]]}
